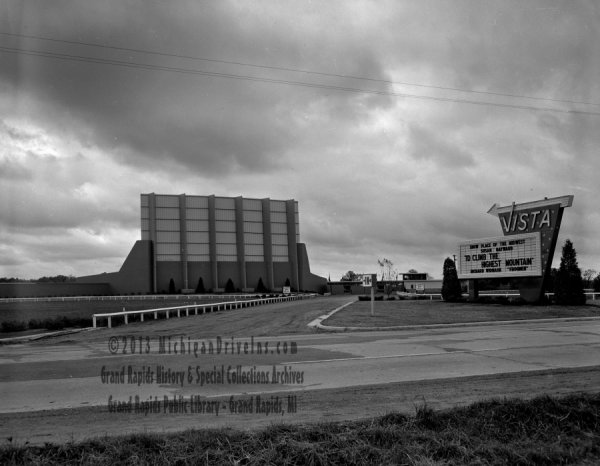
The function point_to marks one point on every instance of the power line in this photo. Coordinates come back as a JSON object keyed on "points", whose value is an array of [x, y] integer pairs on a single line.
{"points": [[296, 70], [150, 67]]}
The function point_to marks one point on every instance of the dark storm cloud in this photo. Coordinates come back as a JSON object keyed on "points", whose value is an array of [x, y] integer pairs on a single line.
{"points": [[33, 201], [52, 251], [392, 175], [575, 134], [16, 134], [428, 145], [212, 124], [543, 49], [14, 170], [57, 251], [38, 212]]}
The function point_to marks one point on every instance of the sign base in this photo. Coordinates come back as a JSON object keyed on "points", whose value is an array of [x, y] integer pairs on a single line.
{"points": [[532, 289], [473, 290]]}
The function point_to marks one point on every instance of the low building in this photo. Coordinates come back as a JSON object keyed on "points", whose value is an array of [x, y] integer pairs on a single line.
{"points": [[407, 282]]}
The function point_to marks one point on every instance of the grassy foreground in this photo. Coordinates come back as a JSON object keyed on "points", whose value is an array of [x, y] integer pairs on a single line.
{"points": [[544, 430]]}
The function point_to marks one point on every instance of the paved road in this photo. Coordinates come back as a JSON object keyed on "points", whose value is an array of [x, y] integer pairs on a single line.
{"points": [[37, 377]]}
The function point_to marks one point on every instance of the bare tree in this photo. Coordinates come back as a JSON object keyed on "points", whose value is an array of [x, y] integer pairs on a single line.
{"points": [[588, 277], [388, 274], [387, 269]]}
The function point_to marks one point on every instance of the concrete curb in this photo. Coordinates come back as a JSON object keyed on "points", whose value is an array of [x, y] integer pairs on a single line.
{"points": [[317, 322], [40, 336]]}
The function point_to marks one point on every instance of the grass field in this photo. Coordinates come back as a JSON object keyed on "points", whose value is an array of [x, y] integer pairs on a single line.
{"points": [[542, 431], [15, 316], [54, 315], [415, 312]]}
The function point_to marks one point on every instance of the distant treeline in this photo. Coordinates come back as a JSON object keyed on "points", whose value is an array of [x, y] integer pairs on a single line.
{"points": [[55, 279]]}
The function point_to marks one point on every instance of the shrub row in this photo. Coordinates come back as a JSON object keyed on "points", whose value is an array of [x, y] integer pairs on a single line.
{"points": [[368, 298], [57, 323]]}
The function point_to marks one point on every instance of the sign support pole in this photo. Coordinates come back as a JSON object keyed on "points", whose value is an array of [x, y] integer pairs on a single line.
{"points": [[373, 284], [473, 289], [370, 280], [372, 301]]}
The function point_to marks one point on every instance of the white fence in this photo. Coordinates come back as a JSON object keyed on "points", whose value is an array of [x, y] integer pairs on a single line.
{"points": [[205, 307], [432, 296], [516, 293]]}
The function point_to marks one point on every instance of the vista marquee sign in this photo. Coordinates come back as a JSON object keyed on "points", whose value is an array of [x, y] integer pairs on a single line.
{"points": [[525, 251], [514, 256]]}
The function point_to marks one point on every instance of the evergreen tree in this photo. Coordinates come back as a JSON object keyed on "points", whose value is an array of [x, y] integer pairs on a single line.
{"points": [[171, 286], [260, 287], [200, 286], [568, 284], [451, 290], [229, 287]]}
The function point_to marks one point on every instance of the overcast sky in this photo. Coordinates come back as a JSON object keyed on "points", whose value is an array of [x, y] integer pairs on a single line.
{"points": [[395, 125]]}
